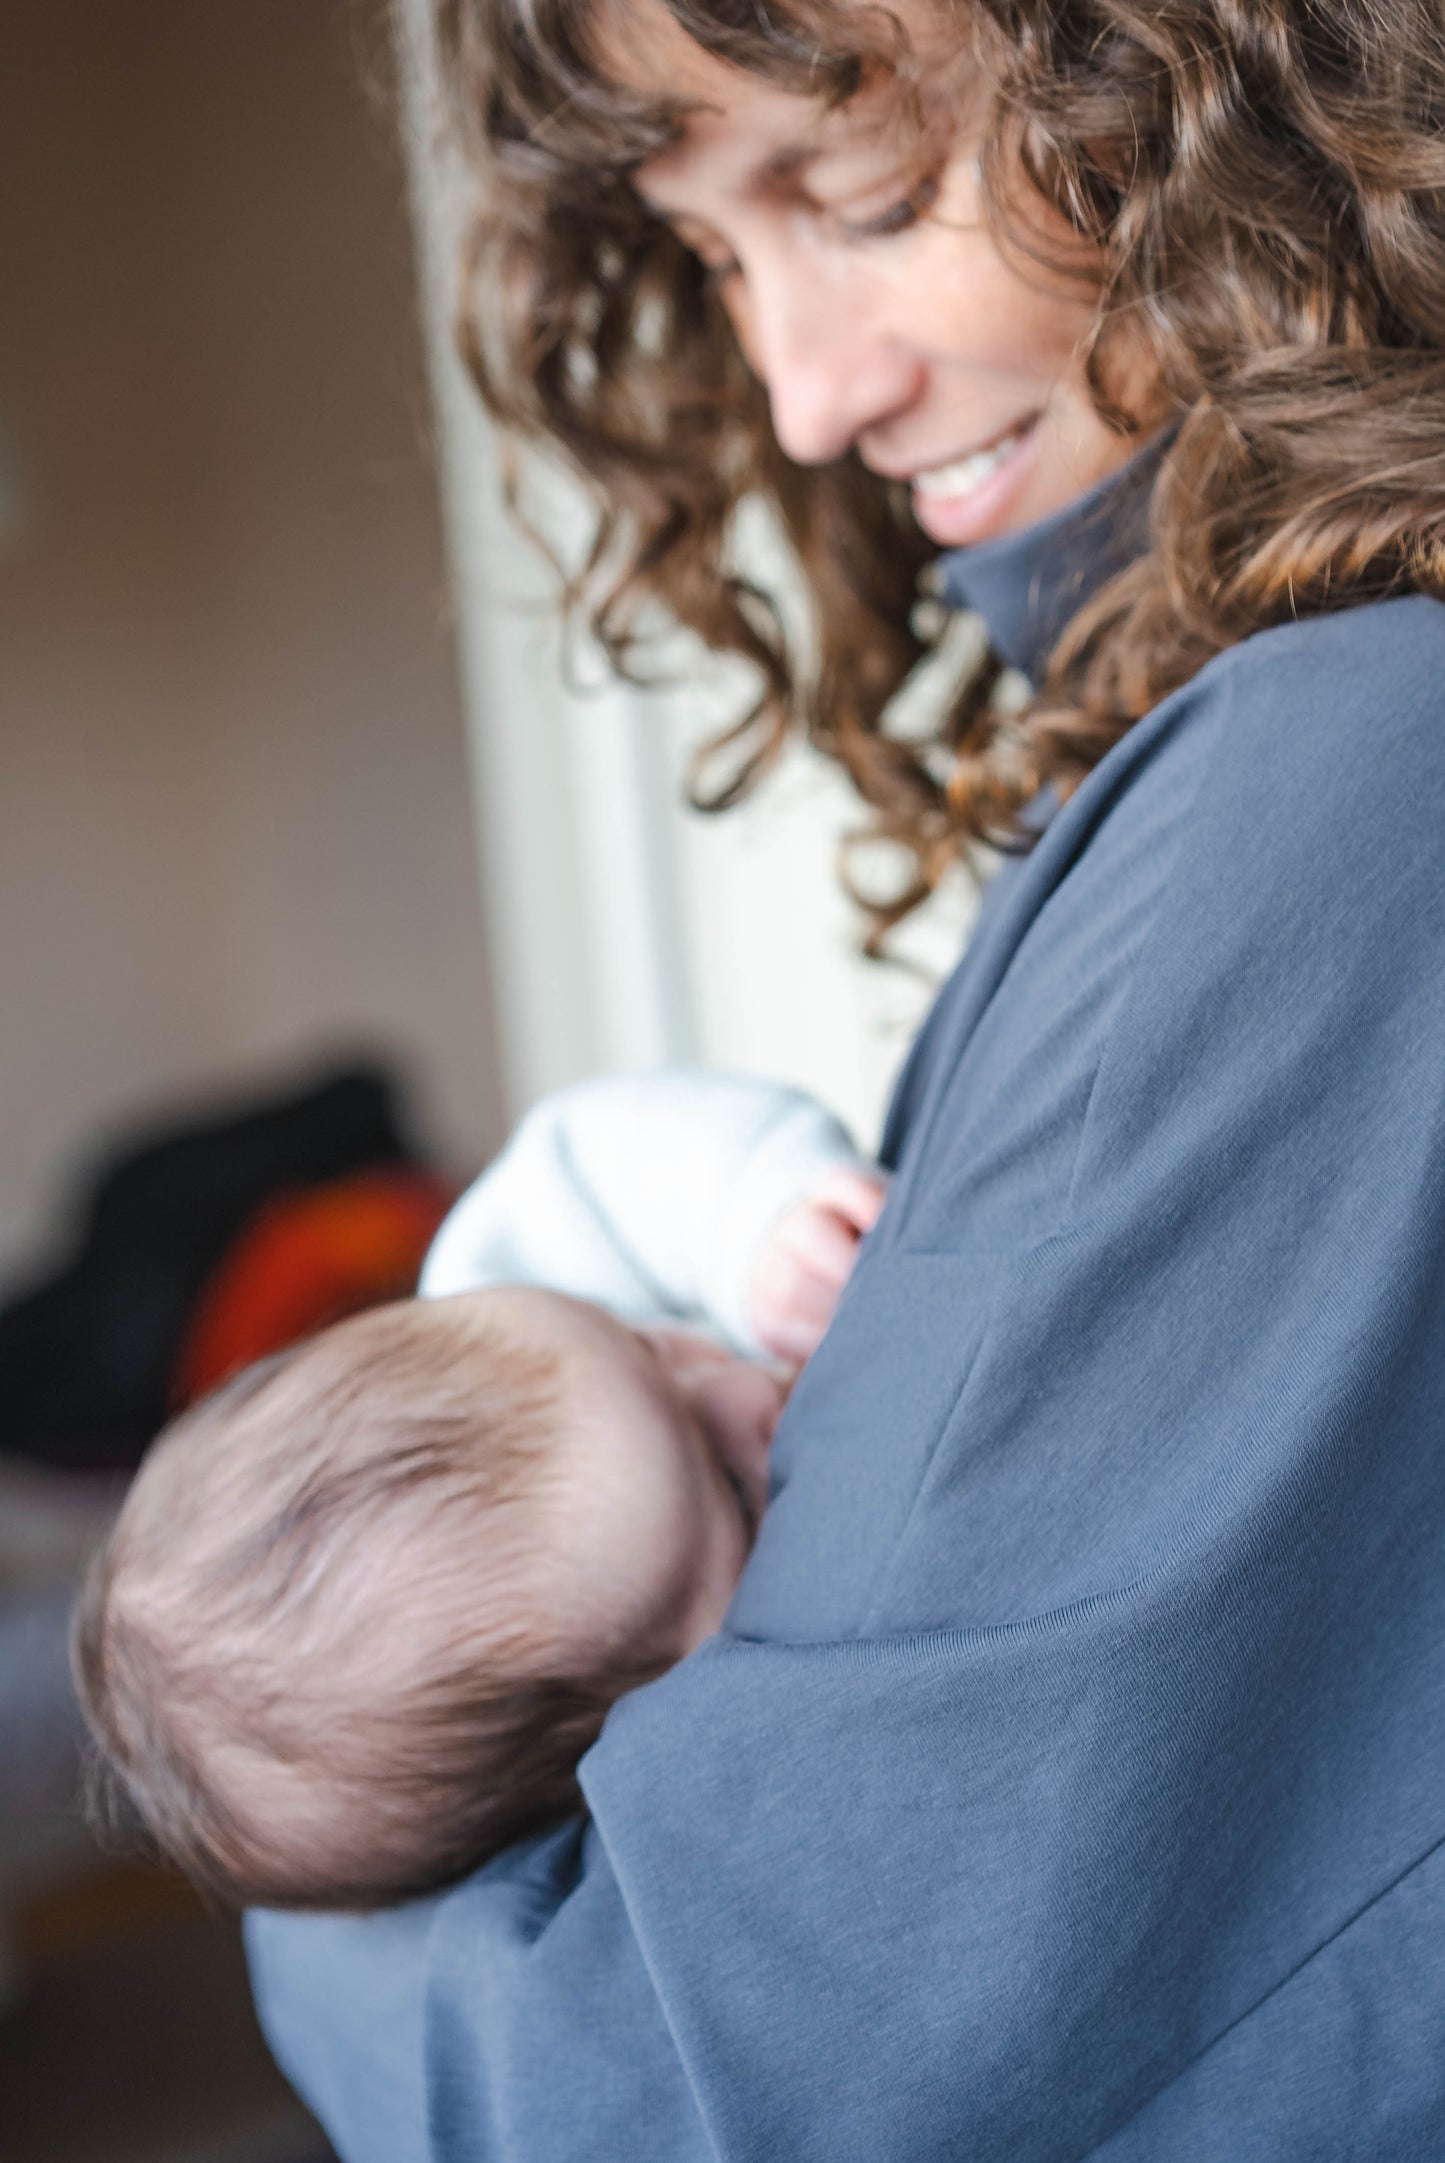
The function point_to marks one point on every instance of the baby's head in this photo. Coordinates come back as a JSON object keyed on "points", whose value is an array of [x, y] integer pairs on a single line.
{"points": [[366, 1607]]}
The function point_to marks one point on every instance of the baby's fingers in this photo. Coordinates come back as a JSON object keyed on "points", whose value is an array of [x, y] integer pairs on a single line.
{"points": [[790, 1305], [819, 1243], [855, 1196]]}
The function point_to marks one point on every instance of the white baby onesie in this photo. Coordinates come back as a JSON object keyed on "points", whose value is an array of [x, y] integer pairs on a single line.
{"points": [[650, 1194]]}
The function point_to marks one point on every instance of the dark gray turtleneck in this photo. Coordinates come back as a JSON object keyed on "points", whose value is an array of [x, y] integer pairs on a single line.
{"points": [[1027, 585]]}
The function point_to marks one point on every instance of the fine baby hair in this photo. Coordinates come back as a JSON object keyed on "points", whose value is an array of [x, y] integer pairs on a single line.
{"points": [[318, 1651]]}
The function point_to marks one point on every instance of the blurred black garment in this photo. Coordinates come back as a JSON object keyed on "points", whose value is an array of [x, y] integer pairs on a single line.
{"points": [[86, 1357]]}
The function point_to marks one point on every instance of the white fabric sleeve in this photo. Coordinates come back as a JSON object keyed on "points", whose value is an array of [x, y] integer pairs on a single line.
{"points": [[650, 1194]]}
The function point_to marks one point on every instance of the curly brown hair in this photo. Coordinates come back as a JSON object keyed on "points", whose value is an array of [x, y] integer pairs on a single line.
{"points": [[1260, 185]]}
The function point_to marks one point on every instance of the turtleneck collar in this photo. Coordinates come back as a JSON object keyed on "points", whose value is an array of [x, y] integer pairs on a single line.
{"points": [[1027, 585]]}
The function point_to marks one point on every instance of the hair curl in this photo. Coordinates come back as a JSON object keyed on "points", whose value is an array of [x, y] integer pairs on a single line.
{"points": [[1262, 185]]}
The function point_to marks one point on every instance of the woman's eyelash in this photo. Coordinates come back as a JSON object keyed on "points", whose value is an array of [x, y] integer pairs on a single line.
{"points": [[899, 216]]}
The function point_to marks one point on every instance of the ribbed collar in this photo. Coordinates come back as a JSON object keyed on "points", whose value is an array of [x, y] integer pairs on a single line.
{"points": [[1027, 585]]}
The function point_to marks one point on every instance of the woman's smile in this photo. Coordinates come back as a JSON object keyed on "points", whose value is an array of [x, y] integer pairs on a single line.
{"points": [[961, 500]]}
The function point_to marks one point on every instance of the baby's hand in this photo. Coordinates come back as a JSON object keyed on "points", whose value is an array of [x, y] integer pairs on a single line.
{"points": [[807, 1259]]}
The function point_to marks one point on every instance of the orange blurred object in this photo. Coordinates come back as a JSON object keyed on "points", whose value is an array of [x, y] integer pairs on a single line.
{"points": [[306, 1259]]}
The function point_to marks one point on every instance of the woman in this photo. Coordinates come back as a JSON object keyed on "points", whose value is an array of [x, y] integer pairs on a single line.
{"points": [[1068, 1781]]}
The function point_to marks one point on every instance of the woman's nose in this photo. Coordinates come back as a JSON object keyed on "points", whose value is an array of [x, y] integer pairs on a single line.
{"points": [[831, 373]]}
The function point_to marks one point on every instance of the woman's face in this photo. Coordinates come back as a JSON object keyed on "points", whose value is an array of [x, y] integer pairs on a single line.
{"points": [[868, 295]]}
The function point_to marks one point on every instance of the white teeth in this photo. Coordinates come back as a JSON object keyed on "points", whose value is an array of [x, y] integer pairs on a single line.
{"points": [[966, 474]]}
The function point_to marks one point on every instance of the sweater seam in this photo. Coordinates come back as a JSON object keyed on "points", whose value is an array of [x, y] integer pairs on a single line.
{"points": [[1306, 1961], [1067, 1223], [1069, 1214]]}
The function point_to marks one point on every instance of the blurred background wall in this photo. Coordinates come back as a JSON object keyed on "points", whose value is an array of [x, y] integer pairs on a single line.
{"points": [[235, 827], [234, 822]]}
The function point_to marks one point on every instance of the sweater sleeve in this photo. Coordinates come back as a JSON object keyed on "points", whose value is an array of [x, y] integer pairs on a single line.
{"points": [[1069, 1778], [648, 1193]]}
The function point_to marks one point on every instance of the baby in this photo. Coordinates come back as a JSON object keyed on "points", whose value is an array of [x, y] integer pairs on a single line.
{"points": [[367, 1606]]}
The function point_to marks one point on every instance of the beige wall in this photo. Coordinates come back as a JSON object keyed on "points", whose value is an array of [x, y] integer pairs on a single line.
{"points": [[233, 807]]}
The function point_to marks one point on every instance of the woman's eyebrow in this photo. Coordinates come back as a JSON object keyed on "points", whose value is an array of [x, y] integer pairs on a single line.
{"points": [[783, 164]]}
